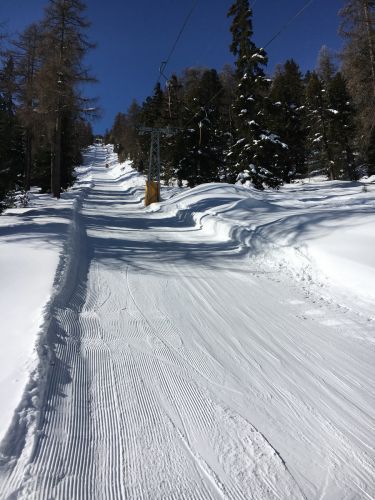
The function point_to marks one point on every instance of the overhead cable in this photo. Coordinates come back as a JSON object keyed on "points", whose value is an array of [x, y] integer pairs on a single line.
{"points": [[293, 18], [165, 63], [286, 25]]}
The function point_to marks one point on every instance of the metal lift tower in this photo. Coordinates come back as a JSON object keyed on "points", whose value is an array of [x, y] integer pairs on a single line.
{"points": [[152, 193]]}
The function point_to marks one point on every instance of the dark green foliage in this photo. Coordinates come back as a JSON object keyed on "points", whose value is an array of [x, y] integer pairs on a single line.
{"points": [[117, 135], [11, 140], [228, 82], [173, 114], [288, 116], [194, 152], [41, 176], [342, 128], [124, 135], [154, 108], [202, 155], [320, 158], [330, 118], [258, 153]]}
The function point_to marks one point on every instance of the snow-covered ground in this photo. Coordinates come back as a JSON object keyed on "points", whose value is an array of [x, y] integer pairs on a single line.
{"points": [[219, 344]]}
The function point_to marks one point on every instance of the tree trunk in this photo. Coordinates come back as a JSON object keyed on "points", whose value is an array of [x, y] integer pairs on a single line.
{"points": [[56, 160], [28, 165], [326, 142]]}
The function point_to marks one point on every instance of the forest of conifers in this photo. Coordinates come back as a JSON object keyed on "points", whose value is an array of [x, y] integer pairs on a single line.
{"points": [[239, 123]]}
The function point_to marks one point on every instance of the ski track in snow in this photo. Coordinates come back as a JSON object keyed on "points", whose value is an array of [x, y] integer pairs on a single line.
{"points": [[184, 370]]}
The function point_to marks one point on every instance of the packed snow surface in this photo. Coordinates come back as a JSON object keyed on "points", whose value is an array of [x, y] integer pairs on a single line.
{"points": [[219, 344]]}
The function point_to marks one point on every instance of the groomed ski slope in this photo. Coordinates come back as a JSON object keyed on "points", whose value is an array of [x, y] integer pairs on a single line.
{"points": [[197, 350]]}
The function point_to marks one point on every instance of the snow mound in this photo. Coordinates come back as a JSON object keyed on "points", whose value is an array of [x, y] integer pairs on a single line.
{"points": [[322, 232]]}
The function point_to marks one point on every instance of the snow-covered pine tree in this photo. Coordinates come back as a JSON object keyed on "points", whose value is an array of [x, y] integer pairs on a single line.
{"points": [[258, 152], [320, 154], [187, 141], [172, 147], [201, 158], [342, 128], [210, 127], [288, 120], [227, 78], [331, 121]]}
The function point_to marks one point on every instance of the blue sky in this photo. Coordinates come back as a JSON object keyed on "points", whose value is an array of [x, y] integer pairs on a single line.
{"points": [[133, 37]]}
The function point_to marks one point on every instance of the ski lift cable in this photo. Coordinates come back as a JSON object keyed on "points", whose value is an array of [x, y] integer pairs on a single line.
{"points": [[164, 64], [284, 27]]}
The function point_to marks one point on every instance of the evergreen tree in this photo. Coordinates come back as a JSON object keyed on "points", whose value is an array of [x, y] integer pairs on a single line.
{"points": [[132, 139], [227, 78], [11, 159], [288, 119], [153, 109], [212, 127], [201, 160], [321, 158], [172, 146], [258, 152], [117, 135], [342, 128], [331, 121], [83, 134], [173, 102], [126, 138]]}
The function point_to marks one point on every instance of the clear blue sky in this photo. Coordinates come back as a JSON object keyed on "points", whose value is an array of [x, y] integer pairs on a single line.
{"points": [[134, 36]]}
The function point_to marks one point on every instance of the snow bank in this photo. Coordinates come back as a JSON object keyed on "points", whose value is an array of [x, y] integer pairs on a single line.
{"points": [[27, 278], [346, 255], [322, 231], [31, 243]]}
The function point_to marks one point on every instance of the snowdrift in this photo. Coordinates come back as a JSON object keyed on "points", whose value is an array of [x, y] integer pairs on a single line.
{"points": [[321, 232]]}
